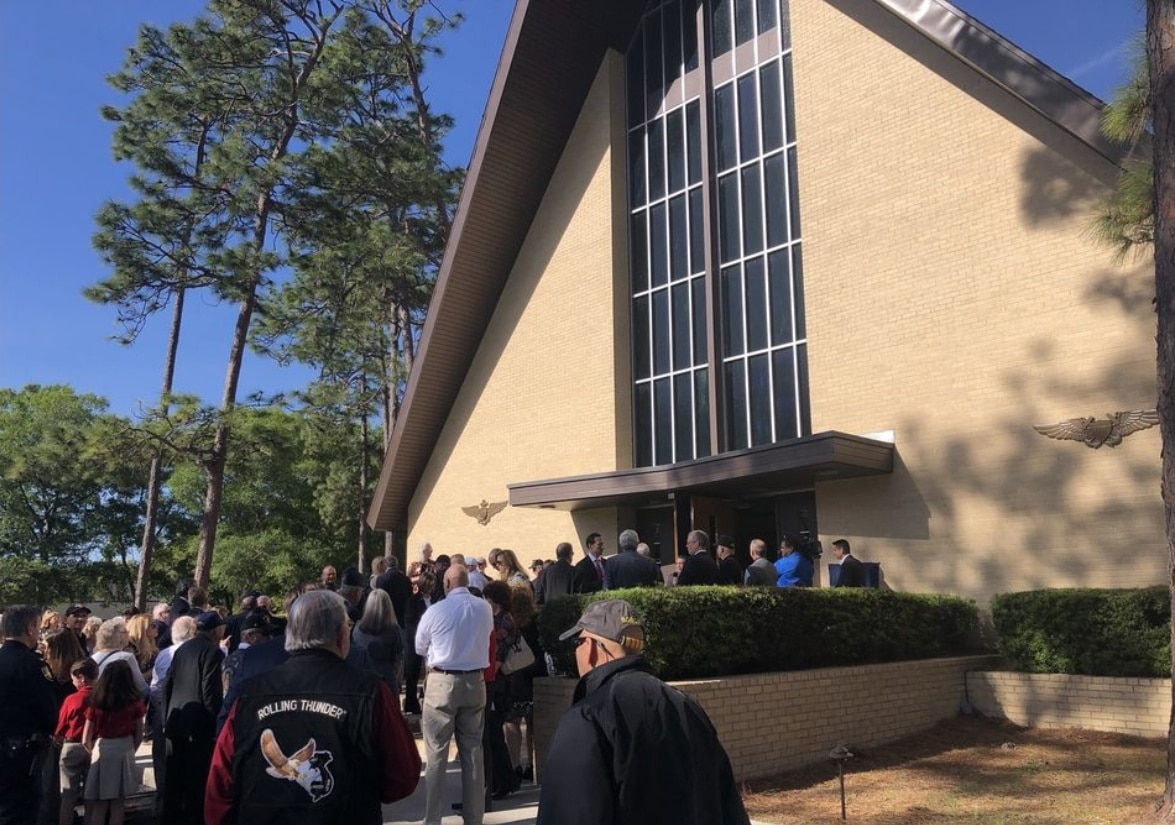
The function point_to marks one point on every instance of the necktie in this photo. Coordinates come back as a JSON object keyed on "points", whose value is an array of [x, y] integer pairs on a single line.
{"points": [[600, 569]]}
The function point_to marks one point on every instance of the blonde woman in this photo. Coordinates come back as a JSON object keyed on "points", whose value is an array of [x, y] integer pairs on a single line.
{"points": [[509, 570], [49, 622], [142, 642], [90, 631]]}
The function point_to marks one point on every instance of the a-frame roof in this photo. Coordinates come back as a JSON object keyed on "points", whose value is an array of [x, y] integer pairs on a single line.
{"points": [[552, 53]]}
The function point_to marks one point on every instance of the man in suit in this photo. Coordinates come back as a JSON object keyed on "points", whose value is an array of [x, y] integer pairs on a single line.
{"points": [[699, 566], [729, 569], [628, 568], [559, 578], [399, 589], [852, 572], [589, 573], [192, 696], [760, 573]]}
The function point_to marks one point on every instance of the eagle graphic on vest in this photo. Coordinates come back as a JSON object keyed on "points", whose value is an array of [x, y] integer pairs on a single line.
{"points": [[307, 767]]}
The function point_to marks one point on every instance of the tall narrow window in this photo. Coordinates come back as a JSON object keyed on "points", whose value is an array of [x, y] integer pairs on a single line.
{"points": [[760, 366]]}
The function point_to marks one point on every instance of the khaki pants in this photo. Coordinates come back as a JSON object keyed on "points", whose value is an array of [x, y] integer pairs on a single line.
{"points": [[454, 703]]}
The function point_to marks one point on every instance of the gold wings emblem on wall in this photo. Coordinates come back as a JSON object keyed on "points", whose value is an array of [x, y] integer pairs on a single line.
{"points": [[485, 511], [1094, 432]]}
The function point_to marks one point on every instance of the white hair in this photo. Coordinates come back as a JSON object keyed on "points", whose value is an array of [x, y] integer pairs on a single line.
{"points": [[109, 636], [158, 610], [183, 629], [315, 620]]}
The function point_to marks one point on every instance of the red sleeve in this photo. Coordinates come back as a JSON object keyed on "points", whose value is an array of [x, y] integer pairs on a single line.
{"points": [[218, 792], [64, 715], [399, 771], [491, 672]]}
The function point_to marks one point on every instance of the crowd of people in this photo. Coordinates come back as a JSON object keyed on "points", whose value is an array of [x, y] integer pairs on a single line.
{"points": [[262, 712]]}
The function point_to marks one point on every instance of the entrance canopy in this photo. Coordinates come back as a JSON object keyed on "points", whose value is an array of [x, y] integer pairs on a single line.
{"points": [[745, 474]]}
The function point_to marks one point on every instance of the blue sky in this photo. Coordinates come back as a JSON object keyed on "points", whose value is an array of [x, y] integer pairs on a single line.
{"points": [[56, 170]]}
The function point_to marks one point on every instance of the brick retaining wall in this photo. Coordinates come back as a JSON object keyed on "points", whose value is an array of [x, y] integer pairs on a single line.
{"points": [[1141, 707], [773, 722]]}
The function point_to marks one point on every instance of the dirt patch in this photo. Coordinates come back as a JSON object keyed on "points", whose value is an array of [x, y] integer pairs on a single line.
{"points": [[977, 771]]}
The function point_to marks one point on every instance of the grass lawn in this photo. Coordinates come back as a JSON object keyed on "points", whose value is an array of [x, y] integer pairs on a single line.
{"points": [[977, 771]]}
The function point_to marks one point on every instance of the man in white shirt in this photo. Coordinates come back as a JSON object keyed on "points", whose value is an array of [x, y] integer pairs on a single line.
{"points": [[454, 639], [476, 577]]}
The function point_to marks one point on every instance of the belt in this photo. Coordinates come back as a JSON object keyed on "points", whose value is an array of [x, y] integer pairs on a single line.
{"points": [[455, 672]]}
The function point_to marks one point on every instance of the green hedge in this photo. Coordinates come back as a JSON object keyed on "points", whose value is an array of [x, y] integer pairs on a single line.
{"points": [[1086, 631], [696, 632]]}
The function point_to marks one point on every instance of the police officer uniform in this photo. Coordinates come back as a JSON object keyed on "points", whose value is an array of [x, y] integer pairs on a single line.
{"points": [[28, 714]]}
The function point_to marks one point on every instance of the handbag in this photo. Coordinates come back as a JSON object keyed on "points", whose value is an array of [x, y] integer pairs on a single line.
{"points": [[518, 658]]}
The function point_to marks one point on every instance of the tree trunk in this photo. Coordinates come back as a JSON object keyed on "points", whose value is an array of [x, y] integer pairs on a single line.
{"points": [[1160, 51], [363, 458], [214, 466], [155, 479]]}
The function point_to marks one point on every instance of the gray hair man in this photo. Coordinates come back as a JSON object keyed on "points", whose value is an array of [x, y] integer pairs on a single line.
{"points": [[313, 739], [612, 745], [628, 568]]}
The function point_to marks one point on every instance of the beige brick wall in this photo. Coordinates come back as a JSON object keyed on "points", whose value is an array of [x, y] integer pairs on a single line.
{"points": [[954, 296], [772, 722], [544, 397], [1141, 707]]}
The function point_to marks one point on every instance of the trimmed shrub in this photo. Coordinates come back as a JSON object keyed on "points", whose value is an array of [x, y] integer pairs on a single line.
{"points": [[698, 632], [1086, 631]]}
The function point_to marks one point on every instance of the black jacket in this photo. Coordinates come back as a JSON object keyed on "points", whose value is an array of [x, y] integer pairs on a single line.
{"points": [[399, 590], [558, 580], [730, 571], [29, 703], [585, 579], [700, 568], [629, 568], [852, 573], [192, 691], [634, 751]]}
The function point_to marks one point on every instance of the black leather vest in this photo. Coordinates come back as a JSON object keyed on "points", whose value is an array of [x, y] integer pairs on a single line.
{"points": [[304, 744]]}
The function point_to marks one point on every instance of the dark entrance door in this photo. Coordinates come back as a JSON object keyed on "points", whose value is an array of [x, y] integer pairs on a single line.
{"points": [[655, 526], [795, 515]]}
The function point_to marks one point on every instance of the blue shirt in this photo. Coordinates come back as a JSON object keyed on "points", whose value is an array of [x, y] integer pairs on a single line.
{"points": [[794, 570]]}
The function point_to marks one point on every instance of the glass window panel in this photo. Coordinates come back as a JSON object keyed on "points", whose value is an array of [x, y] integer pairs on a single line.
{"points": [[699, 315], [693, 133], [768, 15], [660, 332], [643, 402], [732, 311], [775, 200], [748, 118], [663, 421], [659, 259], [682, 351], [802, 389], [752, 210], [793, 192], [678, 239], [779, 275], [728, 239], [641, 363], [636, 81], [797, 277], [653, 43], [756, 300], [639, 240], [675, 148], [636, 167], [744, 21], [788, 97], [771, 95], [736, 404], [683, 417], [697, 234], [672, 20], [724, 127], [689, 35], [759, 389], [785, 394], [702, 412], [720, 9], [657, 159], [784, 27]]}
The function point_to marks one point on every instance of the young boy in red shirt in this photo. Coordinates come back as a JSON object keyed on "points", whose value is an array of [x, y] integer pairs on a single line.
{"points": [[71, 720]]}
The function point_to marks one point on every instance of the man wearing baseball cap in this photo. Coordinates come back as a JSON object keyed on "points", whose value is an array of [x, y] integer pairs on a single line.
{"points": [[632, 749]]}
